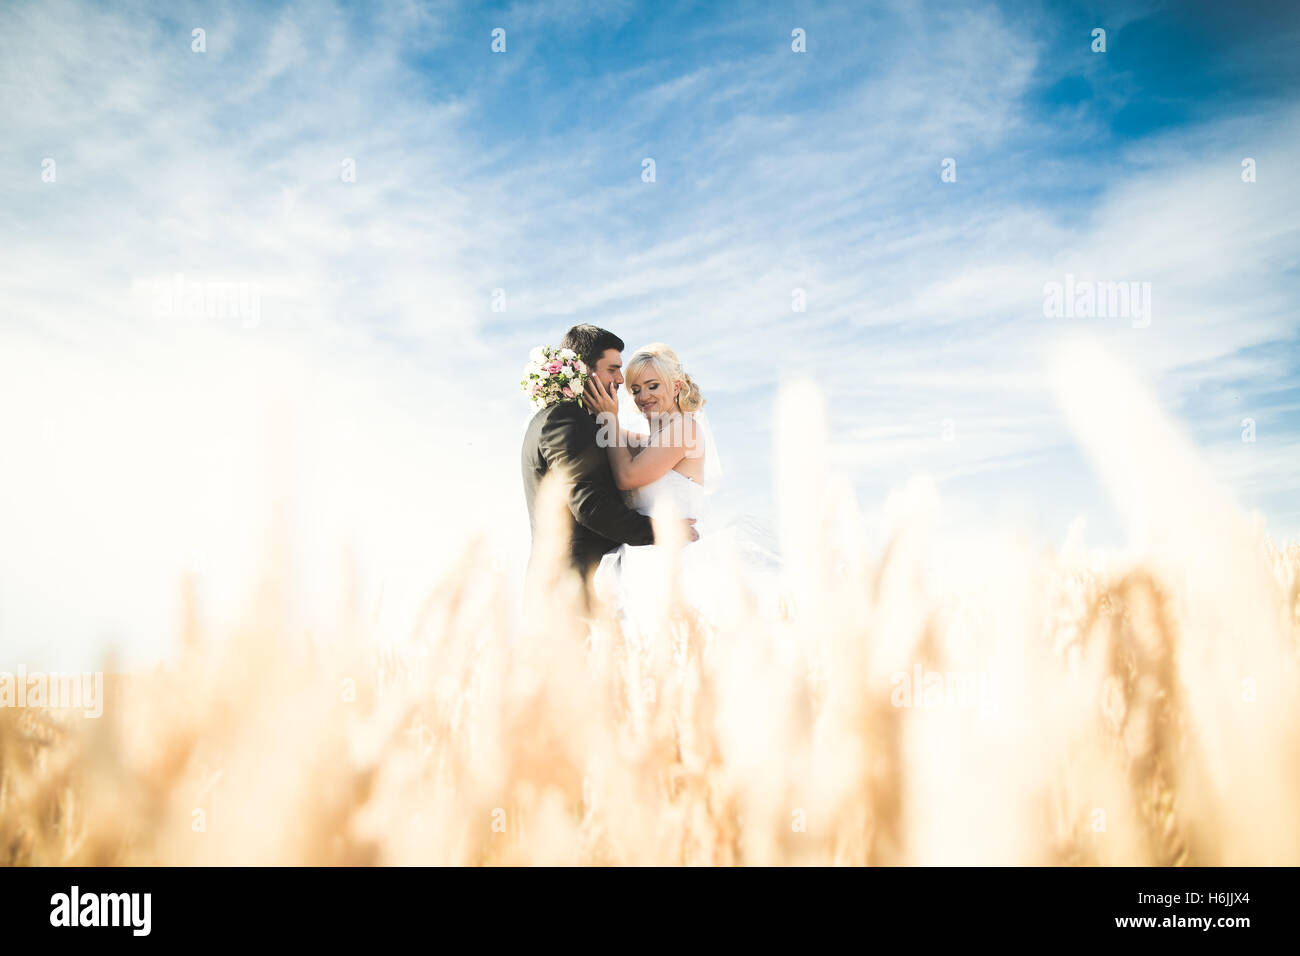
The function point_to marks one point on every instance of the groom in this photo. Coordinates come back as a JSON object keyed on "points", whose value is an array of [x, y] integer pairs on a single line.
{"points": [[563, 436]]}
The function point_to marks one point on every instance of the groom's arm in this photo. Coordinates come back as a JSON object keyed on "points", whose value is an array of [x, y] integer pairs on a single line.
{"points": [[568, 441]]}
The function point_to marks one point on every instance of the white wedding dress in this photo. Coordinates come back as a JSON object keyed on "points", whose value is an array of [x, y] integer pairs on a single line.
{"points": [[725, 562]]}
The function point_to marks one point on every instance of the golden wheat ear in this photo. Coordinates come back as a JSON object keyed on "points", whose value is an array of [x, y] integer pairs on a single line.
{"points": [[1228, 633], [551, 582]]}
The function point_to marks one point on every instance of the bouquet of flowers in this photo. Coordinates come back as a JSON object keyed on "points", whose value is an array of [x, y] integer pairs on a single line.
{"points": [[554, 375]]}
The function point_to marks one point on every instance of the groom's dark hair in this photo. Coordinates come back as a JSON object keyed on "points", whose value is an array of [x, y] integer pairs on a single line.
{"points": [[590, 342]]}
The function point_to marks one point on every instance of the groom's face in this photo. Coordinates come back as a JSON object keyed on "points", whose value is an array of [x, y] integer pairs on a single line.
{"points": [[609, 369]]}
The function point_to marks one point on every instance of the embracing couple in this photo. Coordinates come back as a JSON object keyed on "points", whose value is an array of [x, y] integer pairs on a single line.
{"points": [[619, 476]]}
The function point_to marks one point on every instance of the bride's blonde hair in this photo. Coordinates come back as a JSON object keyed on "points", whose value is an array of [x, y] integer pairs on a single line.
{"points": [[669, 368]]}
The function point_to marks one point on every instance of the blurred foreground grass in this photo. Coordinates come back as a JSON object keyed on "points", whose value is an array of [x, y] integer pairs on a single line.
{"points": [[1030, 707]]}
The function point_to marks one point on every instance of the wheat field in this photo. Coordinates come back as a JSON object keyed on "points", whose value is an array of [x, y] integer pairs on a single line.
{"points": [[1032, 705]]}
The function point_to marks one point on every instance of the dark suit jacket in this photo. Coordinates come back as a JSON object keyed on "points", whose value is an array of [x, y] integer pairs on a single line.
{"points": [[563, 436]]}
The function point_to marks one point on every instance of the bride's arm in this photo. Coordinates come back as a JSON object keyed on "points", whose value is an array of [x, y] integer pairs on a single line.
{"points": [[675, 440], [633, 458], [647, 465]]}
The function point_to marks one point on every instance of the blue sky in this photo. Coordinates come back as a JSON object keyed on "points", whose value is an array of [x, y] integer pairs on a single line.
{"points": [[521, 171]]}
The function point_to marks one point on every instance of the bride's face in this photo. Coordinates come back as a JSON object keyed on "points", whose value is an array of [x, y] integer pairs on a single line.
{"points": [[653, 396]]}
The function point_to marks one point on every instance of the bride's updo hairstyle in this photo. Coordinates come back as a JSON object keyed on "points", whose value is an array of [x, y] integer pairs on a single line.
{"points": [[668, 368]]}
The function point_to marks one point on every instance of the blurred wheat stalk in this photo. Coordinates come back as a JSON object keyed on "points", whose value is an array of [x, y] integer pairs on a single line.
{"points": [[1144, 714]]}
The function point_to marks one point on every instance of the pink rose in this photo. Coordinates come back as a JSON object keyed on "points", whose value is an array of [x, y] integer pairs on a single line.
{"points": [[566, 392], [553, 366]]}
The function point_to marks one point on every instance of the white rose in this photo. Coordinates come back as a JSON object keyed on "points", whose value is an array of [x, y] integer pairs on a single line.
{"points": [[542, 373], [537, 355]]}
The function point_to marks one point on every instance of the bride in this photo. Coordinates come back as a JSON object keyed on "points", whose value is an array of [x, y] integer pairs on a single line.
{"points": [[671, 469]]}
